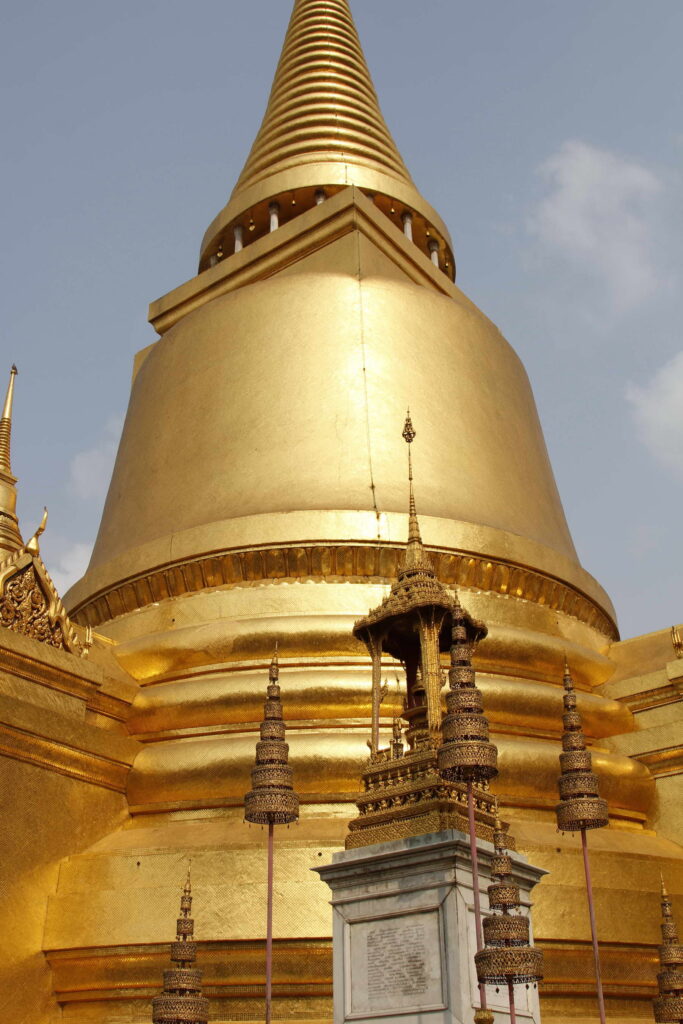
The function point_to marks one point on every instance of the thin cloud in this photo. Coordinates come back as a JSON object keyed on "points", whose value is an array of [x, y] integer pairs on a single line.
{"points": [[598, 218], [90, 470], [68, 565], [657, 408]]}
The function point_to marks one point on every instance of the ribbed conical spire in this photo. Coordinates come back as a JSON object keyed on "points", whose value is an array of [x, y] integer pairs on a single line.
{"points": [[508, 957], [668, 1005], [581, 806], [323, 130], [182, 1001], [323, 105], [10, 537]]}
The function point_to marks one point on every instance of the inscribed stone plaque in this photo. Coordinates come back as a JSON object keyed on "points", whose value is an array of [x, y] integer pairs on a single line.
{"points": [[395, 965]]}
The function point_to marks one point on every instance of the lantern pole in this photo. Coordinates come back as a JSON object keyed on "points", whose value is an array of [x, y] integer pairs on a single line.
{"points": [[272, 800]]}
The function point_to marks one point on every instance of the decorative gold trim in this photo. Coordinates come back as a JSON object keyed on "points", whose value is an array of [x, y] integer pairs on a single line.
{"points": [[45, 675], [65, 760], [63, 681], [352, 563], [231, 969]]}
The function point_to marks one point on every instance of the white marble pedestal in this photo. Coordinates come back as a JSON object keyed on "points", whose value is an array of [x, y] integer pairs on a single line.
{"points": [[404, 937]]}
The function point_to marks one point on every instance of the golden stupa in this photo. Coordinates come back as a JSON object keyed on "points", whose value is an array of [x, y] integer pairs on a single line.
{"points": [[259, 495]]}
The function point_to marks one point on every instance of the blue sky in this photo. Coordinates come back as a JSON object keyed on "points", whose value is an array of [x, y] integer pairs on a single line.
{"points": [[548, 135]]}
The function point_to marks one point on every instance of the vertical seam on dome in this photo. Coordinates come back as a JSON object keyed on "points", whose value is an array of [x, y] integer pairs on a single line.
{"points": [[364, 370]]}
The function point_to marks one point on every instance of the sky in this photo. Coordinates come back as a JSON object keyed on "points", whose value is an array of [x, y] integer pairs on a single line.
{"points": [[548, 135]]}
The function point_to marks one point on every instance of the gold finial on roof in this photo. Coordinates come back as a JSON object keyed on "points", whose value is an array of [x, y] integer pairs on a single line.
{"points": [[188, 881], [10, 536], [33, 546], [416, 558], [6, 425], [677, 641]]}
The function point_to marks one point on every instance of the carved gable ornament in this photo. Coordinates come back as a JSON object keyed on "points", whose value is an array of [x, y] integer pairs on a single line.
{"points": [[30, 604]]}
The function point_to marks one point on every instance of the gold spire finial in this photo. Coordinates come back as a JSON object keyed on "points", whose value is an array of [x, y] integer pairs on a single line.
{"points": [[409, 435], [188, 880], [415, 558], [6, 425], [33, 546], [10, 536], [323, 129]]}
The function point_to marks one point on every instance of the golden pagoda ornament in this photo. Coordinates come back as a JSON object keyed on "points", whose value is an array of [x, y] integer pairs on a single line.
{"points": [[182, 1001], [508, 958], [581, 807], [10, 537], [29, 602], [272, 800], [668, 1006], [404, 793], [467, 755]]}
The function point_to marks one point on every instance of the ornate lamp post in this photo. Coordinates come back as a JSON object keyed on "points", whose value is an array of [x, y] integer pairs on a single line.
{"points": [[668, 1005], [580, 807], [467, 755], [272, 800], [507, 958], [182, 1001]]}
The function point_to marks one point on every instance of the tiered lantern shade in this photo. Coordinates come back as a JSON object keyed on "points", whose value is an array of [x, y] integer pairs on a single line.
{"points": [[581, 806], [508, 958], [272, 800], [668, 1005], [466, 754], [182, 1001]]}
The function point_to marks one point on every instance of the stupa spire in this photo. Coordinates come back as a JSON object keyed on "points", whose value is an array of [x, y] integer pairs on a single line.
{"points": [[322, 131], [323, 104], [10, 537]]}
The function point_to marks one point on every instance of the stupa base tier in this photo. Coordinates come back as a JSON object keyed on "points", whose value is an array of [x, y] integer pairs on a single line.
{"points": [[406, 796], [427, 817]]}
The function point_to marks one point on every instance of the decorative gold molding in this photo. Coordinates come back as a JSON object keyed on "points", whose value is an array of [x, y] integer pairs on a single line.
{"points": [[302, 967], [40, 672], [667, 761], [629, 972], [63, 759], [60, 679], [352, 563]]}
